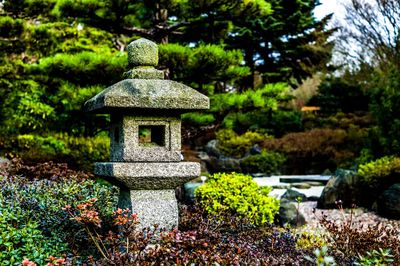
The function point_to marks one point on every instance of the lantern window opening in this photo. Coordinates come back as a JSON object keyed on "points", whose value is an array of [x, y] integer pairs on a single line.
{"points": [[116, 134], [152, 136]]}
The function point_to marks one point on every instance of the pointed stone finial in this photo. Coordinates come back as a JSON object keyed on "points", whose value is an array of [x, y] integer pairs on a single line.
{"points": [[143, 57]]}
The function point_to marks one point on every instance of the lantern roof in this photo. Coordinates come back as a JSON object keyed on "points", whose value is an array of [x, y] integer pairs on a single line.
{"points": [[144, 87]]}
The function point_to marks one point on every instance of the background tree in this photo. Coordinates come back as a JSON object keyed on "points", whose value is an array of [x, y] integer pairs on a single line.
{"points": [[58, 53], [371, 40]]}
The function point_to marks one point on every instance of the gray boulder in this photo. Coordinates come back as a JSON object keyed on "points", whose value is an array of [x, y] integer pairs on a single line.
{"points": [[217, 162], [389, 202], [292, 195], [342, 186], [288, 214], [224, 164], [301, 185], [212, 148], [189, 189]]}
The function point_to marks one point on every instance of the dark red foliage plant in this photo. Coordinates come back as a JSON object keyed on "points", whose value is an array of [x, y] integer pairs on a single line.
{"points": [[349, 238], [201, 240]]}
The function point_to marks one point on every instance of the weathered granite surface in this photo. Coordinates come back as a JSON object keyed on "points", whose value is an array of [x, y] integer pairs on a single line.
{"points": [[146, 176], [147, 168], [142, 52], [125, 145], [143, 73], [155, 207], [147, 93]]}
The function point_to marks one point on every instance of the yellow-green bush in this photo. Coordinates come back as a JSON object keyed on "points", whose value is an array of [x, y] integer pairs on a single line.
{"points": [[310, 240], [237, 194], [375, 177], [232, 144], [375, 173]]}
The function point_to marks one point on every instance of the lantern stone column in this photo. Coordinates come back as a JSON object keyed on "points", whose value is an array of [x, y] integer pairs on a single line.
{"points": [[145, 136]]}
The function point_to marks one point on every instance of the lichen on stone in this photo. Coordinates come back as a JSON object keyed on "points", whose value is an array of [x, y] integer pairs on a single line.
{"points": [[142, 52]]}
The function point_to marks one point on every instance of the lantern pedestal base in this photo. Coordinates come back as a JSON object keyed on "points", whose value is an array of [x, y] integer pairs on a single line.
{"points": [[155, 207], [149, 188]]}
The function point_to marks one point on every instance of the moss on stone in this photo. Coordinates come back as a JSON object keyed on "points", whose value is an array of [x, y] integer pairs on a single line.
{"points": [[142, 52]]}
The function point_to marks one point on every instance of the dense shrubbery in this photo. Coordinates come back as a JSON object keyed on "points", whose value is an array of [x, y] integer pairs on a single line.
{"points": [[232, 144], [77, 151], [226, 194], [375, 177], [315, 150], [381, 173], [33, 222], [75, 216], [265, 162], [20, 236]]}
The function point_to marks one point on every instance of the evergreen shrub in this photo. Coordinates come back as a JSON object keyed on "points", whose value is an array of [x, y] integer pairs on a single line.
{"points": [[315, 150], [232, 144], [266, 162], [198, 119], [76, 151], [381, 172], [225, 194], [377, 176]]}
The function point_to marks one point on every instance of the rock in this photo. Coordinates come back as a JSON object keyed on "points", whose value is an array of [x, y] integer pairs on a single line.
{"points": [[288, 214], [217, 162], [342, 186], [312, 198], [292, 195], [280, 186], [389, 202], [211, 148], [301, 185], [258, 175], [203, 156], [224, 164], [315, 183], [256, 149], [189, 191]]}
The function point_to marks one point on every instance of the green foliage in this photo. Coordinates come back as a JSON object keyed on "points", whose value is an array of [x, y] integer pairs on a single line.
{"points": [[198, 119], [266, 162], [322, 258], [237, 194], [83, 68], [340, 95], [55, 54], [380, 173], [77, 151], [32, 220], [267, 97], [385, 108], [381, 257], [314, 150], [203, 65], [232, 144], [10, 27], [310, 240], [20, 237], [250, 109]]}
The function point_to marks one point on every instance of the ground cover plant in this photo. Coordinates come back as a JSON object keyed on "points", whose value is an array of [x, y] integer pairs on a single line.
{"points": [[69, 219], [355, 243], [32, 220]]}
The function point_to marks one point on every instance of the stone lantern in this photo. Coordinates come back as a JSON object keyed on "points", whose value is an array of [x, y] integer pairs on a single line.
{"points": [[145, 136]]}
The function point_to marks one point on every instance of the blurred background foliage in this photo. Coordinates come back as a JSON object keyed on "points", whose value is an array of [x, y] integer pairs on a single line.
{"points": [[260, 62]]}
